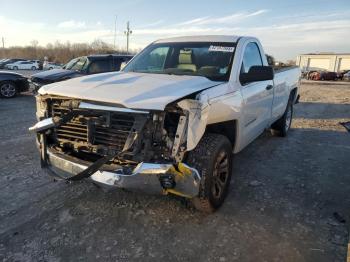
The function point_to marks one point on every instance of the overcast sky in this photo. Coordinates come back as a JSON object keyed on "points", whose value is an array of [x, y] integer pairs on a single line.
{"points": [[286, 28]]}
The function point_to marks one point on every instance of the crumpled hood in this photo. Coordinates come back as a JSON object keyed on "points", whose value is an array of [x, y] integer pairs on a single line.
{"points": [[132, 90], [55, 74]]}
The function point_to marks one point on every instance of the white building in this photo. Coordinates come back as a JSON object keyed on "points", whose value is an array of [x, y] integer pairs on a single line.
{"points": [[324, 61]]}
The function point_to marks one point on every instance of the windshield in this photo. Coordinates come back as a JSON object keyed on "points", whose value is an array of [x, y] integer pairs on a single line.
{"points": [[77, 64], [211, 60]]}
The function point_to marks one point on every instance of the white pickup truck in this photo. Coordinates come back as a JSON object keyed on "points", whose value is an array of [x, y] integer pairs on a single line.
{"points": [[170, 121]]}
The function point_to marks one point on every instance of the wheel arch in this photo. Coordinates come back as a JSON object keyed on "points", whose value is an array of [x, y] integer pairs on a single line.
{"points": [[227, 128], [294, 91], [12, 81], [294, 94]]}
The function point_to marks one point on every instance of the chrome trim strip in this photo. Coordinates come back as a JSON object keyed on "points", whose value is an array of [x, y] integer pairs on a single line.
{"points": [[84, 105]]}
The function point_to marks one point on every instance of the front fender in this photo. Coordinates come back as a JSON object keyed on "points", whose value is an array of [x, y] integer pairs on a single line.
{"points": [[197, 120]]}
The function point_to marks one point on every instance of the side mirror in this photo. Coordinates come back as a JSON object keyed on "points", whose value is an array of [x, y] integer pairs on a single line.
{"points": [[256, 74]]}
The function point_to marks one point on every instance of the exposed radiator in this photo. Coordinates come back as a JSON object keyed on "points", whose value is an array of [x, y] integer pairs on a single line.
{"points": [[109, 129]]}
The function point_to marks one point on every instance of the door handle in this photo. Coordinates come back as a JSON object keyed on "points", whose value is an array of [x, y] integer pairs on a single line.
{"points": [[269, 87]]}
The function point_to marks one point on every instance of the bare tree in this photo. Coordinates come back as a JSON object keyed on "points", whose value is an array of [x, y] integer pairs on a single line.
{"points": [[270, 60], [58, 51], [34, 43]]}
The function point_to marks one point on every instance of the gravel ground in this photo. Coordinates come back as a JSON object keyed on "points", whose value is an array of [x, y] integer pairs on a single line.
{"points": [[289, 199]]}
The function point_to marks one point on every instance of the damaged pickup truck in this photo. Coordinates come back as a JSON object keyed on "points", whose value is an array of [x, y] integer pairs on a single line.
{"points": [[170, 121]]}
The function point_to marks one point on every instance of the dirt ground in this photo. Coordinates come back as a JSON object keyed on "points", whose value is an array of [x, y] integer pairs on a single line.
{"points": [[289, 199]]}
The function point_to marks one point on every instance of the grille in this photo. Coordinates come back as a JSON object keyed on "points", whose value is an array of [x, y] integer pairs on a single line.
{"points": [[85, 130]]}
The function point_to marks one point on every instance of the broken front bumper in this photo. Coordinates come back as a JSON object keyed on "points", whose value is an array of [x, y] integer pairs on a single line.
{"points": [[34, 85], [146, 177]]}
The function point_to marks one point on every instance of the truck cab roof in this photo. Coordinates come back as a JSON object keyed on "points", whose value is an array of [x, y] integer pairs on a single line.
{"points": [[201, 38], [106, 56]]}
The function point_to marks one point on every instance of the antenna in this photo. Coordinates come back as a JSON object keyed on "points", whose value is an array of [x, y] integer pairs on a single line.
{"points": [[128, 32]]}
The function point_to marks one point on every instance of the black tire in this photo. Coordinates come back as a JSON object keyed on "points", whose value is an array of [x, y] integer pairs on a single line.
{"points": [[33, 68], [8, 89], [15, 68], [213, 153], [282, 125]]}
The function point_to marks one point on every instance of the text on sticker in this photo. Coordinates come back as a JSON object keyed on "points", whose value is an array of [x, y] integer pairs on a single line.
{"points": [[228, 49]]}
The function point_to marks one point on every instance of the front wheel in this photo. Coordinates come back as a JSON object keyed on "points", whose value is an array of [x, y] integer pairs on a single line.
{"points": [[33, 68], [282, 125], [213, 160], [8, 89], [15, 68]]}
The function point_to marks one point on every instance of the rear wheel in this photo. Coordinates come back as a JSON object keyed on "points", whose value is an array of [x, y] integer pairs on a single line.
{"points": [[33, 68], [282, 125], [15, 68], [213, 159], [8, 89]]}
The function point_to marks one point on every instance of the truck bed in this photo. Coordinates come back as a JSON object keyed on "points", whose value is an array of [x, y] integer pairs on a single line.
{"points": [[287, 75]]}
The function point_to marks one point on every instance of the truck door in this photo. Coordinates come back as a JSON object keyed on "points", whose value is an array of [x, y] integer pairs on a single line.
{"points": [[257, 96]]}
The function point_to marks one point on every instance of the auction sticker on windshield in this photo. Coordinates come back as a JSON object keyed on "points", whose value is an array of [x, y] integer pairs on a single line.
{"points": [[228, 49]]}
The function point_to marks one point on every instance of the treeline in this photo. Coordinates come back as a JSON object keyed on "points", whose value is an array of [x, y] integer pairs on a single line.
{"points": [[58, 52]]}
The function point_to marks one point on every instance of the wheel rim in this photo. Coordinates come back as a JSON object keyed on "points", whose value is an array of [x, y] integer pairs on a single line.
{"points": [[289, 118], [220, 175], [8, 90]]}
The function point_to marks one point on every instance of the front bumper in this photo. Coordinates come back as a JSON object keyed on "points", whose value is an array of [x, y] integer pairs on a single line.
{"points": [[146, 177], [34, 85]]}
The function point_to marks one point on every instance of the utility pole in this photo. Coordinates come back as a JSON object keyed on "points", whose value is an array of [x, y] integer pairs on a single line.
{"points": [[115, 32], [128, 32], [3, 42]]}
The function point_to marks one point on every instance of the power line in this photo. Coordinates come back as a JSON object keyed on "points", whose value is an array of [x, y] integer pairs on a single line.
{"points": [[115, 32], [128, 32]]}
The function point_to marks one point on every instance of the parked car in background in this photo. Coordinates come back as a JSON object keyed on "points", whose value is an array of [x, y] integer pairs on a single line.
{"points": [[314, 75], [310, 74], [86, 65], [12, 83], [330, 76], [9, 61], [341, 74], [51, 65], [23, 65], [323, 76], [40, 63], [346, 76]]}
